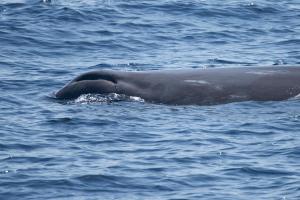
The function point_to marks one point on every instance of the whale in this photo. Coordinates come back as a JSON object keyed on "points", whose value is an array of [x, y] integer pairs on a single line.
{"points": [[205, 86]]}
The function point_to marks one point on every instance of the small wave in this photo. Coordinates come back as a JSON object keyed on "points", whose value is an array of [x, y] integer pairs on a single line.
{"points": [[258, 171], [223, 61], [14, 4], [289, 42], [131, 66]]}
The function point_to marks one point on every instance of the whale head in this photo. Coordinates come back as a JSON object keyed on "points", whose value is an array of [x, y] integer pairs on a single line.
{"points": [[100, 82]]}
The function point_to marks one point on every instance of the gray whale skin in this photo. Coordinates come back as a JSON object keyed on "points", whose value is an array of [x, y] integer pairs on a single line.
{"points": [[191, 87]]}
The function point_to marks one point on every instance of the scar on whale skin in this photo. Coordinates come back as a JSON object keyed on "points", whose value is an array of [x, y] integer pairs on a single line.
{"points": [[200, 82], [267, 72]]}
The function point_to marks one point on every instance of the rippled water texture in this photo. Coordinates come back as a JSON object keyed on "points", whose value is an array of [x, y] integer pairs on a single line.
{"points": [[116, 147]]}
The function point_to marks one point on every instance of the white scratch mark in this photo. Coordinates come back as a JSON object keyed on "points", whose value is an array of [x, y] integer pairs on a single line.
{"points": [[201, 82], [237, 97], [267, 72]]}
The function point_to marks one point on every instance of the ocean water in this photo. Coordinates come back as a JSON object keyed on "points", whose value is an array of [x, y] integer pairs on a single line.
{"points": [[103, 147]]}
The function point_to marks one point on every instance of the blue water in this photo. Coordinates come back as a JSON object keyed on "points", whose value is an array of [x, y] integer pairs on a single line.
{"points": [[102, 148]]}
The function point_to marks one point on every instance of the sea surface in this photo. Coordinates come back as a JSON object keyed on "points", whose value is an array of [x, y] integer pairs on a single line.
{"points": [[106, 147]]}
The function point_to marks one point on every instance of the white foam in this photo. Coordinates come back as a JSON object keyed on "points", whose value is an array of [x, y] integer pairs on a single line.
{"points": [[107, 98], [296, 97], [90, 98], [138, 99]]}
